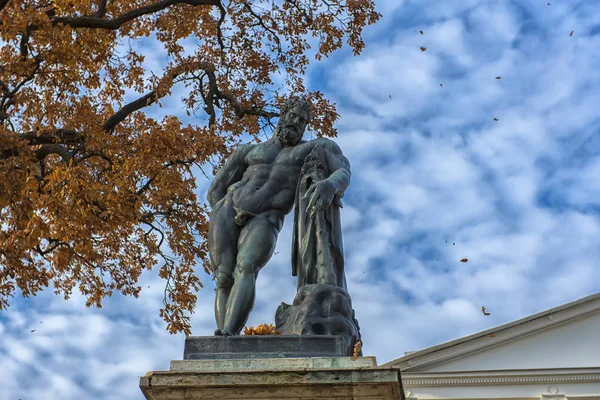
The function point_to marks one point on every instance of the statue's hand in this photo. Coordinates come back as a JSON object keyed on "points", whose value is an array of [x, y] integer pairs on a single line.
{"points": [[320, 195]]}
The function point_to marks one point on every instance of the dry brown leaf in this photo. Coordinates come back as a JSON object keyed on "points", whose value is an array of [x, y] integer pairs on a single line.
{"points": [[262, 329], [423, 48], [357, 348], [483, 311], [464, 260]]}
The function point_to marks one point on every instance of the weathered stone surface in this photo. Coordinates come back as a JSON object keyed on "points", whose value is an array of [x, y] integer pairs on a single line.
{"points": [[267, 346], [333, 378], [273, 364], [319, 309]]}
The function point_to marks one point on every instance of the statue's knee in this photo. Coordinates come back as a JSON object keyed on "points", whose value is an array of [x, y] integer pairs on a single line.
{"points": [[245, 268], [224, 281]]}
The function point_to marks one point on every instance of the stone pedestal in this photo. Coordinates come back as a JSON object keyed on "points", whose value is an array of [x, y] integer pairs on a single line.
{"points": [[272, 367], [331, 378]]}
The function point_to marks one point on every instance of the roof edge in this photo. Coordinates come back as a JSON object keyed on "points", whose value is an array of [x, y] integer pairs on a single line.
{"points": [[526, 325]]}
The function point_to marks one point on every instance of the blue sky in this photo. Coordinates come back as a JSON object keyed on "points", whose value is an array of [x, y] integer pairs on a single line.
{"points": [[519, 197]]}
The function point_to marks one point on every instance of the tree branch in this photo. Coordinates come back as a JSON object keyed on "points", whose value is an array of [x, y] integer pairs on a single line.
{"points": [[101, 9], [3, 3], [48, 149], [60, 136], [127, 109], [115, 23]]}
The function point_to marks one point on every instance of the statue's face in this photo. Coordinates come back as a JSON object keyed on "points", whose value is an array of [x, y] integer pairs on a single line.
{"points": [[292, 125]]}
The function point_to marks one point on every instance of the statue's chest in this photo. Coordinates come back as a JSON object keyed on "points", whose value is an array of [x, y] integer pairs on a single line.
{"points": [[261, 155], [293, 156]]}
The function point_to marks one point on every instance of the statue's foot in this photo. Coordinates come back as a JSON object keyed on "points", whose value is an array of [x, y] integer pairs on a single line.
{"points": [[227, 333], [218, 332]]}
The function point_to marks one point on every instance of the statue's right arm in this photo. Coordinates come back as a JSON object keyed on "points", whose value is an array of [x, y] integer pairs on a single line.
{"points": [[230, 173]]}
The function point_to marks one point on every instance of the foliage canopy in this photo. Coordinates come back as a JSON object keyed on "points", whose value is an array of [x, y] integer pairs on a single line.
{"points": [[94, 190]]}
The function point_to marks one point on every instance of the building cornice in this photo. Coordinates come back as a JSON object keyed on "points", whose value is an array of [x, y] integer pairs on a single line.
{"points": [[495, 378]]}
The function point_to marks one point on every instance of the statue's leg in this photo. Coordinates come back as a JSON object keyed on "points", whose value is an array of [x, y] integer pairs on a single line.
{"points": [[256, 245], [223, 236]]}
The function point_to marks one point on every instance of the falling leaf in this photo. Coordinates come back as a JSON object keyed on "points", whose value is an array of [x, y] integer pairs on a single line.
{"points": [[33, 330], [423, 48], [441, 85], [464, 260], [453, 244], [548, 3], [492, 335], [390, 96], [421, 32], [571, 34], [483, 311], [498, 77], [357, 348], [496, 119]]}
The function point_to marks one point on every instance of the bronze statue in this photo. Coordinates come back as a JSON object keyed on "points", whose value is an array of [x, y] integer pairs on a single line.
{"points": [[250, 196]]}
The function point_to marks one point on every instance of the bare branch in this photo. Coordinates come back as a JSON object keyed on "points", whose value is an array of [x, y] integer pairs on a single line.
{"points": [[115, 23]]}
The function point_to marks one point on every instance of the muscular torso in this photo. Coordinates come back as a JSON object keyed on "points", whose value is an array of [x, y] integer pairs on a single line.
{"points": [[271, 177]]}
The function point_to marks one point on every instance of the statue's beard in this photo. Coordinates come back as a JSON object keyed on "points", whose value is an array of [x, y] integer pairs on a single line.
{"points": [[288, 136]]}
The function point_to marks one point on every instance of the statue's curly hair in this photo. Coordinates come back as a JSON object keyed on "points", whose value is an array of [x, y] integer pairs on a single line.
{"points": [[297, 102]]}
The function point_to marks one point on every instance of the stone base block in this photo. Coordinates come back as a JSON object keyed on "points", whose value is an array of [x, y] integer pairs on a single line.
{"points": [[337, 378], [264, 346]]}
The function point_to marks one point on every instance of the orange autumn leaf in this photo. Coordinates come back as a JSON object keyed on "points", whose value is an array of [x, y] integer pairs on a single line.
{"points": [[262, 329], [95, 190], [464, 260]]}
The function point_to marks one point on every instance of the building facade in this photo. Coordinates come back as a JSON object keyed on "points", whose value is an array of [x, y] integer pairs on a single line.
{"points": [[552, 355]]}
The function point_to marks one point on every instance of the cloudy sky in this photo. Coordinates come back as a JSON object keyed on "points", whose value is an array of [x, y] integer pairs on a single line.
{"points": [[435, 179]]}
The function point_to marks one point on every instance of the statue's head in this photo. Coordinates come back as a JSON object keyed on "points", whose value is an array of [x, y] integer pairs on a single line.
{"points": [[294, 117]]}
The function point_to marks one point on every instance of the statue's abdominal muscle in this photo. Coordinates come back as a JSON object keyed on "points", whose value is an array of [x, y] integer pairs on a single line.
{"points": [[267, 187]]}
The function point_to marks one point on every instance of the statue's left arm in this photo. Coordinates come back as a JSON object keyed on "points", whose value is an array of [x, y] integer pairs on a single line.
{"points": [[322, 193]]}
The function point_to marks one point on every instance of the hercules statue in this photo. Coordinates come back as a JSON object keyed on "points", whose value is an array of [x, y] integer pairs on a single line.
{"points": [[250, 196]]}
